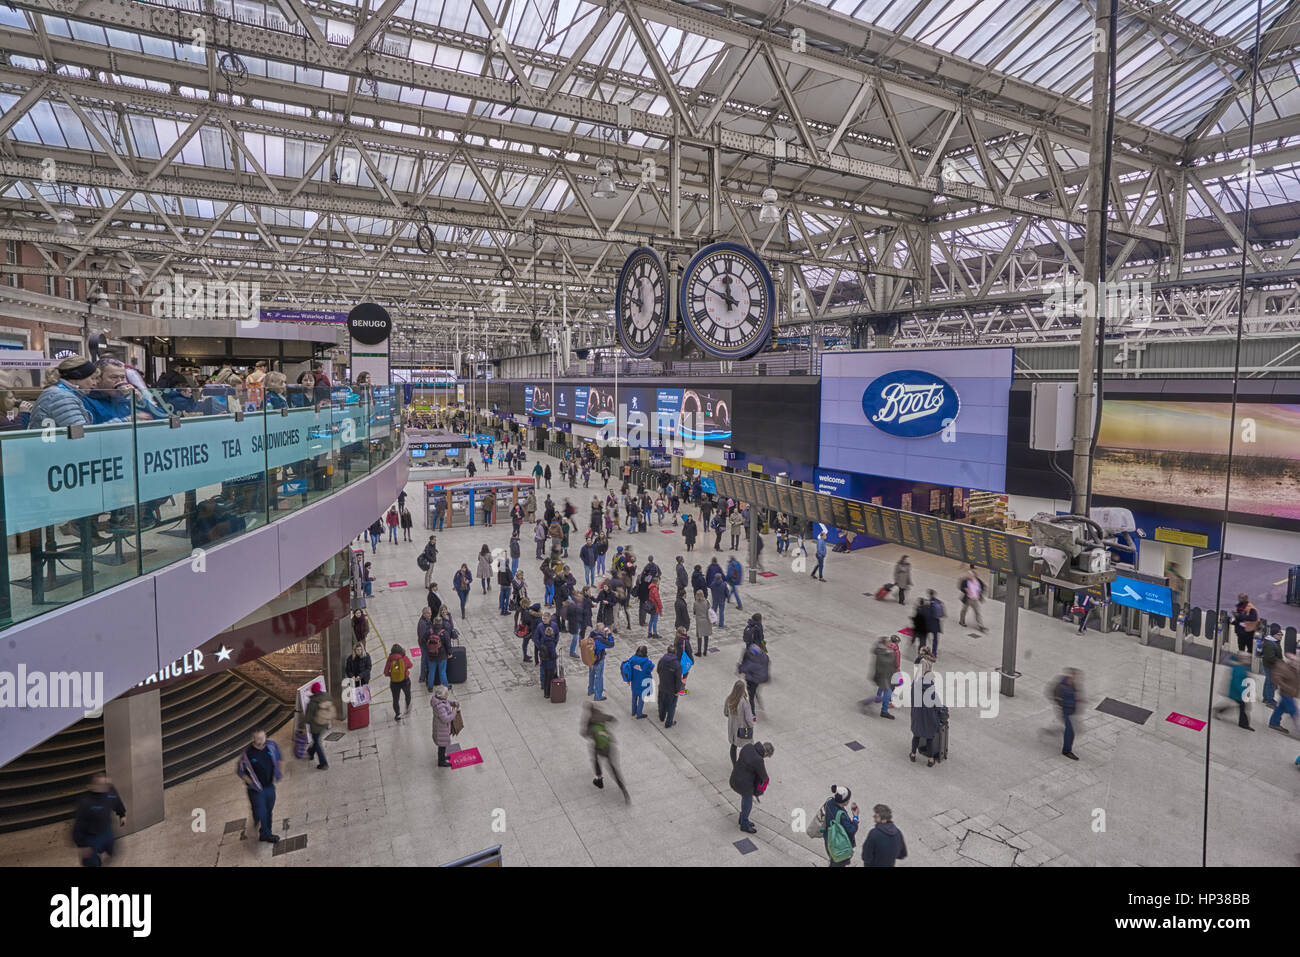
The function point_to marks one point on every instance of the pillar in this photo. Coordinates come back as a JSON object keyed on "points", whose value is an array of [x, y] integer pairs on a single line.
{"points": [[133, 756], [1011, 607]]}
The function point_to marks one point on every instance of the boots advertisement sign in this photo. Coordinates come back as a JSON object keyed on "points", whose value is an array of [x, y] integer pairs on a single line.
{"points": [[933, 416]]}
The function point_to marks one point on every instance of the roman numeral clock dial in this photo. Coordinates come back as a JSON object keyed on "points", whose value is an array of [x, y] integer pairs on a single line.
{"points": [[727, 301], [641, 303]]}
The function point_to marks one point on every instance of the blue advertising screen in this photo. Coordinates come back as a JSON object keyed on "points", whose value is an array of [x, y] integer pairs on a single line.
{"points": [[935, 416]]}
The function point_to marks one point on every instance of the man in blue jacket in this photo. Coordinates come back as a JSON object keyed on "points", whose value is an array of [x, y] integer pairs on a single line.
{"points": [[817, 572], [735, 573], [641, 678], [718, 594], [884, 844], [1067, 699]]}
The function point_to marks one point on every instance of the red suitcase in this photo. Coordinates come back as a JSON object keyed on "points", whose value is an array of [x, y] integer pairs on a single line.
{"points": [[884, 591], [559, 691], [358, 716]]}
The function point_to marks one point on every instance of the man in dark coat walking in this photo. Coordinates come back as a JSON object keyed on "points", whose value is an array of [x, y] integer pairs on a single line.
{"points": [[749, 779]]}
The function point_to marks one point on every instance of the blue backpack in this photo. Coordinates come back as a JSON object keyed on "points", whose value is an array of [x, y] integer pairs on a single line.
{"points": [[734, 572], [625, 669]]}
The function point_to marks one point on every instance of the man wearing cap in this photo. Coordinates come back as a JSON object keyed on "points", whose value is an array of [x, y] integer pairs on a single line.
{"points": [[64, 403]]}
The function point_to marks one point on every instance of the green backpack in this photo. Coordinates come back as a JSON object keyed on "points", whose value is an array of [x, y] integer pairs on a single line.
{"points": [[838, 844], [600, 735]]}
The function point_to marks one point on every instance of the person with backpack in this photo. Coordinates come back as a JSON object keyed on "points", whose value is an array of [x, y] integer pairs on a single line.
{"points": [[753, 634], [594, 648], [445, 709], [972, 596], [837, 827], [735, 575], [393, 520], [638, 671], [398, 671], [318, 716], [407, 524], [749, 779], [669, 670], [718, 593], [903, 578], [754, 666], [428, 557], [437, 641], [740, 719], [1245, 622], [596, 727], [376, 531], [461, 583], [719, 525], [885, 669], [1286, 685], [655, 603], [884, 844], [545, 644]]}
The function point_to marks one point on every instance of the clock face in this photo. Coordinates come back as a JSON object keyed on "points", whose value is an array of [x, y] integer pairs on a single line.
{"points": [[641, 303], [727, 301]]}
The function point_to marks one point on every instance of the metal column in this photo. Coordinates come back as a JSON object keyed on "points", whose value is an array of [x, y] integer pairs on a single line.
{"points": [[1011, 604], [133, 756]]}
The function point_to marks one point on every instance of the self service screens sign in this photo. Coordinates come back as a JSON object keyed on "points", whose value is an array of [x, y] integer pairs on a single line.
{"points": [[935, 416]]}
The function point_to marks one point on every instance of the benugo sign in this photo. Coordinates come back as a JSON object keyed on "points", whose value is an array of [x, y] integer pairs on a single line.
{"points": [[48, 482], [910, 404]]}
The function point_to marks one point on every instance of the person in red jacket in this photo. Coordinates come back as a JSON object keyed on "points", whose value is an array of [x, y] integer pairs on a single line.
{"points": [[398, 670], [392, 518], [656, 604]]}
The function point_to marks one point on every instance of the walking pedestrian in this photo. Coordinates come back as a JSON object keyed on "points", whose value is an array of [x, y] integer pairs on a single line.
{"points": [[1237, 691], [1083, 602], [376, 533], [259, 767], [92, 823], [602, 641], [1286, 683], [884, 844], [407, 523], [398, 671], [428, 558], [740, 718], [885, 670], [596, 726], [718, 593], [818, 571], [903, 578], [1066, 695], [934, 613], [461, 583], [485, 566], [393, 520], [1270, 653], [754, 667], [972, 596], [749, 779], [318, 716]]}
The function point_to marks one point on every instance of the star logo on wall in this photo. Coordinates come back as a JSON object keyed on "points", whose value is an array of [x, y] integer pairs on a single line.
{"points": [[223, 653]]}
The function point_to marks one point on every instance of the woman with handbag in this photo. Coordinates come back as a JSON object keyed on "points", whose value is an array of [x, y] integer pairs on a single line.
{"points": [[740, 718], [446, 721]]}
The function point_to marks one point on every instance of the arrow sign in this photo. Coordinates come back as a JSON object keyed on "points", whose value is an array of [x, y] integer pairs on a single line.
{"points": [[1144, 596]]}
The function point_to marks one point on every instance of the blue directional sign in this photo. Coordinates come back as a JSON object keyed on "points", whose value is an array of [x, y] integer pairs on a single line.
{"points": [[1144, 596]]}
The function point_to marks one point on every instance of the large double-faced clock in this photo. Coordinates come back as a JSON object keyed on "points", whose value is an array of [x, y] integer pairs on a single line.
{"points": [[641, 303], [727, 301]]}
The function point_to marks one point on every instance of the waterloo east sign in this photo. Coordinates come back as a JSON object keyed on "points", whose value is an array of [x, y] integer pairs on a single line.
{"points": [[910, 404]]}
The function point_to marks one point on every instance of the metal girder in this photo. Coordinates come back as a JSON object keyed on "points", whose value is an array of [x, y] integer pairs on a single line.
{"points": [[666, 82]]}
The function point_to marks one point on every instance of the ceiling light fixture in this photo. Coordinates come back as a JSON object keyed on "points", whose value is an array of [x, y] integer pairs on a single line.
{"points": [[64, 224], [769, 213], [604, 188]]}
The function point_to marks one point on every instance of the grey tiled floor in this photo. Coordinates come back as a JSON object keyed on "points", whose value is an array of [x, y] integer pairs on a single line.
{"points": [[1005, 797]]}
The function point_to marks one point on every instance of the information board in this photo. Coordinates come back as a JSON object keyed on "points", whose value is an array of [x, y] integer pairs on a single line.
{"points": [[840, 507], [872, 525], [857, 522], [889, 522], [769, 497], [826, 510], [1001, 556], [910, 528], [930, 539], [950, 540], [784, 499], [977, 550]]}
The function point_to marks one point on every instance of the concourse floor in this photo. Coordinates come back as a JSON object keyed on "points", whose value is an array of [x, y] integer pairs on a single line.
{"points": [[1006, 796]]}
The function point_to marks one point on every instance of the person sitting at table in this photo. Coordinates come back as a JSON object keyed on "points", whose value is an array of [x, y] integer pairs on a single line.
{"points": [[301, 397], [276, 385], [64, 402]]}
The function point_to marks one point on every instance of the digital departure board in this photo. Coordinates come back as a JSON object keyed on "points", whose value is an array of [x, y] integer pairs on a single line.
{"points": [[783, 497], [930, 540], [889, 521], [950, 540], [826, 510], [977, 550], [1001, 556], [873, 527], [911, 529], [840, 507]]}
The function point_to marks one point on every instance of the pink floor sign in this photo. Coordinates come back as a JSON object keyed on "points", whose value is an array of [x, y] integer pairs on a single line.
{"points": [[1185, 721]]}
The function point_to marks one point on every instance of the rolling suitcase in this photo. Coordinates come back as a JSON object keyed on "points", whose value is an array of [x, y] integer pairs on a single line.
{"points": [[941, 744], [885, 589], [457, 664], [300, 742], [358, 716], [559, 691]]}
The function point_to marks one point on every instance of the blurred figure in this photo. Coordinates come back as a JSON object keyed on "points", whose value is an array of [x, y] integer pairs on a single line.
{"points": [[596, 727], [1067, 695], [1237, 691], [92, 826]]}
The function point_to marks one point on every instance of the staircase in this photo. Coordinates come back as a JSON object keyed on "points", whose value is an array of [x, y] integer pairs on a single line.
{"points": [[205, 722]]}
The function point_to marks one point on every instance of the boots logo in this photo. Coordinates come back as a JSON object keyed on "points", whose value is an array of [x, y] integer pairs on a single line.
{"points": [[910, 404]]}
